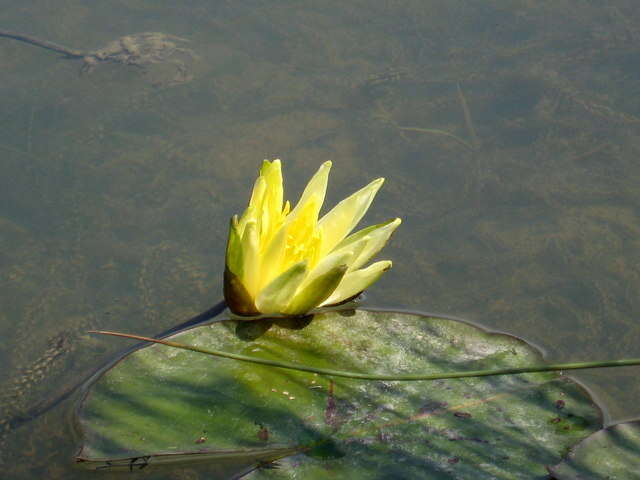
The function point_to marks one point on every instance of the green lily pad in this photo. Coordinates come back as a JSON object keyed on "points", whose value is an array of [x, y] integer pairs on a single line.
{"points": [[163, 404], [612, 453]]}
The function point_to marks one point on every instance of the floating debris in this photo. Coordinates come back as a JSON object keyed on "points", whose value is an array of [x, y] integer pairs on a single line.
{"points": [[140, 49]]}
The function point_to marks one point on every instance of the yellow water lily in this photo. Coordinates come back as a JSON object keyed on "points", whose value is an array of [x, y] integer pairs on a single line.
{"points": [[285, 261]]}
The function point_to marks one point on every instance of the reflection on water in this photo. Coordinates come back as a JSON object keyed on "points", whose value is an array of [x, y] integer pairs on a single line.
{"points": [[507, 132]]}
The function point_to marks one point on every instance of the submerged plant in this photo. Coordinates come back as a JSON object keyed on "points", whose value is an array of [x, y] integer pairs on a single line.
{"points": [[286, 261]]}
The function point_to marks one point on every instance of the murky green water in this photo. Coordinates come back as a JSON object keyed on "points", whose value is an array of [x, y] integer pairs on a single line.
{"points": [[507, 131]]}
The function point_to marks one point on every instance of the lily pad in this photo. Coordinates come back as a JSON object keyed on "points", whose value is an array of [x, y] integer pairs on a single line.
{"points": [[612, 453], [163, 404]]}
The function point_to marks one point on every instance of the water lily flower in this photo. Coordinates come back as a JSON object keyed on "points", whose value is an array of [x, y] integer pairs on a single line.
{"points": [[284, 261]]}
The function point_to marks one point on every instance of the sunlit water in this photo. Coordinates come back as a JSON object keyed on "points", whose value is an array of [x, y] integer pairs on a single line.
{"points": [[508, 134]]}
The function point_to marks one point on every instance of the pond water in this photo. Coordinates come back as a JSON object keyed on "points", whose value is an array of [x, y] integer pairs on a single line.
{"points": [[507, 132]]}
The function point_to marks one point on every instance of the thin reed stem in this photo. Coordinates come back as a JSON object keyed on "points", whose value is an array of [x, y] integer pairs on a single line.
{"points": [[374, 376]]}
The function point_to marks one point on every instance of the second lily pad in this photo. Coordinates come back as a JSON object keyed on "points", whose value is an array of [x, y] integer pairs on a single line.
{"points": [[612, 453], [160, 403]]}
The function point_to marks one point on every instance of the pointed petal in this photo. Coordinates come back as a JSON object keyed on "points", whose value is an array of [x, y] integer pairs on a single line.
{"points": [[272, 173], [328, 263], [250, 214], [366, 243], [355, 282], [317, 186], [266, 164], [358, 236], [376, 240], [343, 218], [316, 292], [354, 237], [275, 297], [272, 203], [234, 248], [255, 204]]}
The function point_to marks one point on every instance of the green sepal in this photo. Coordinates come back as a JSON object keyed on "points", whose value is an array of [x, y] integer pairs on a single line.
{"points": [[235, 294]]}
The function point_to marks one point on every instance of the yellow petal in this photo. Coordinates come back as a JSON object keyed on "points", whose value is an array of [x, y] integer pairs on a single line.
{"points": [[352, 248], [271, 216], [257, 195], [355, 282], [354, 237], [316, 292], [251, 258], [275, 297], [272, 173], [326, 264], [376, 240], [272, 260], [317, 187], [337, 224]]}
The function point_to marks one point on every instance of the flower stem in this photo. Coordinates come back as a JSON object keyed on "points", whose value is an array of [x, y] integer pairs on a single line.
{"points": [[374, 376]]}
